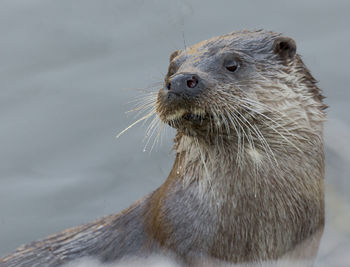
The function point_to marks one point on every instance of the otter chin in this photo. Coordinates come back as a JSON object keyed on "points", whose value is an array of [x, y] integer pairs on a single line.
{"points": [[247, 184]]}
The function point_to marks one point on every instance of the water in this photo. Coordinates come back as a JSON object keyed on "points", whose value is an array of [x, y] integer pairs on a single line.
{"points": [[68, 70]]}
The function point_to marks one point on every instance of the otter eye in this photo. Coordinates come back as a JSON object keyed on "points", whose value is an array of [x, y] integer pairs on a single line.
{"points": [[231, 65]]}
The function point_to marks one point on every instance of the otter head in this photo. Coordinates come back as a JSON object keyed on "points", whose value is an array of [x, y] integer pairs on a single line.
{"points": [[237, 84]]}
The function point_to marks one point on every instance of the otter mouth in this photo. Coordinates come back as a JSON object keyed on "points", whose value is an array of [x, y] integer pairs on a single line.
{"points": [[181, 114], [194, 116]]}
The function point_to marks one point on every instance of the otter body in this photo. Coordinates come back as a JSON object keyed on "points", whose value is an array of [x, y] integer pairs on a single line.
{"points": [[247, 182]]}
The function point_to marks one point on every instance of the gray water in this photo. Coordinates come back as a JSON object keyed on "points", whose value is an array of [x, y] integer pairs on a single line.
{"points": [[68, 70]]}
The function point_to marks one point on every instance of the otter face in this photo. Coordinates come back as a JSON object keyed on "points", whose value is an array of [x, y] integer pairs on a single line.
{"points": [[229, 81]]}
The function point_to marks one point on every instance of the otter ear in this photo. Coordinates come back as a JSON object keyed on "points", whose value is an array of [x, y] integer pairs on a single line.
{"points": [[285, 47], [174, 55]]}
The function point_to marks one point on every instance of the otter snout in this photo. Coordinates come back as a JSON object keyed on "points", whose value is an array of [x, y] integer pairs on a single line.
{"points": [[178, 99], [184, 85]]}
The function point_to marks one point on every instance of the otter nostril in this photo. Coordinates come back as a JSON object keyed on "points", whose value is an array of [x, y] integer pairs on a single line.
{"points": [[168, 85], [192, 83]]}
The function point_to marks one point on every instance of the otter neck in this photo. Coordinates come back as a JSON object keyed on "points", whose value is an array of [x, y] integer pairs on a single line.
{"points": [[227, 176], [224, 206], [227, 161], [207, 164], [220, 166]]}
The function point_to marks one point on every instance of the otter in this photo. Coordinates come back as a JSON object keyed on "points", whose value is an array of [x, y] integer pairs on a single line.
{"points": [[247, 184]]}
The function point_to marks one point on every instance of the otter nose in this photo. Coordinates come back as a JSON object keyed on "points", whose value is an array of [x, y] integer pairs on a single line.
{"points": [[192, 82], [184, 83]]}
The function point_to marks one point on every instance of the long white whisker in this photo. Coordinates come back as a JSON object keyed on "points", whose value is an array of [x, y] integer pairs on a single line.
{"points": [[151, 132], [136, 122]]}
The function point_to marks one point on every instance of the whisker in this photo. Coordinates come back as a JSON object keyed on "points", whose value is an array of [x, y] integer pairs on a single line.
{"points": [[152, 129], [297, 137], [136, 122], [156, 139]]}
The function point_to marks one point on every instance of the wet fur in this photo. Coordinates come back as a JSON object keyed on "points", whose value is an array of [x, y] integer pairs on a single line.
{"points": [[247, 182]]}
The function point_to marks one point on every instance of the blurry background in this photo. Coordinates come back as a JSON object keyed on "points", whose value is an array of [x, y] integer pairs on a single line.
{"points": [[68, 70]]}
